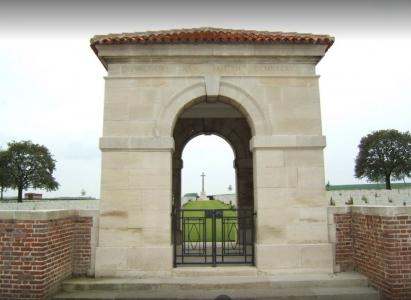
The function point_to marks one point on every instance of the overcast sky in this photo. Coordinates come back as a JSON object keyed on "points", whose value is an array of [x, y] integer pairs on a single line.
{"points": [[51, 83]]}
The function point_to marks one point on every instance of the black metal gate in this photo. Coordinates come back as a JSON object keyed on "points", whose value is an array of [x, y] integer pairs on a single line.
{"points": [[213, 236]]}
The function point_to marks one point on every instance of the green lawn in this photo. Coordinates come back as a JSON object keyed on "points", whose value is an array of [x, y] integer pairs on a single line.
{"points": [[206, 204], [196, 232]]}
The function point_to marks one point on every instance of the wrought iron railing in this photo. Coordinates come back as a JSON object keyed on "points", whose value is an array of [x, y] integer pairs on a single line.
{"points": [[213, 236]]}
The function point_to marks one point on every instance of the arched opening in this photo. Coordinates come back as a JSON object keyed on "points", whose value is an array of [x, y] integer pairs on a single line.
{"points": [[196, 240], [208, 176]]}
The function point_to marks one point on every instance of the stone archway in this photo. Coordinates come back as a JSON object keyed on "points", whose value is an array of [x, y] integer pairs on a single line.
{"points": [[152, 79], [226, 121], [221, 118]]}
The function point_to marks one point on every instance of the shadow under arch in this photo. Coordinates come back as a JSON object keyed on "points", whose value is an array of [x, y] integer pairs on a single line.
{"points": [[224, 118], [189, 139], [195, 93], [232, 126], [238, 147]]}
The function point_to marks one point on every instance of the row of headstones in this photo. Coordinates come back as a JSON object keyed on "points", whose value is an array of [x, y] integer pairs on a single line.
{"points": [[397, 197]]}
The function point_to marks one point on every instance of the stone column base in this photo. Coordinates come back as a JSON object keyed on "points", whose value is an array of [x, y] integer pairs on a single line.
{"points": [[294, 258], [156, 261]]}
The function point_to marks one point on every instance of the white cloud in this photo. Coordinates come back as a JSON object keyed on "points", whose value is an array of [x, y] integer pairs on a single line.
{"points": [[52, 89]]}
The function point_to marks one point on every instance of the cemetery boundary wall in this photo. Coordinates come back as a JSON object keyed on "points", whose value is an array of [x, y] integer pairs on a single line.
{"points": [[375, 241], [40, 249]]}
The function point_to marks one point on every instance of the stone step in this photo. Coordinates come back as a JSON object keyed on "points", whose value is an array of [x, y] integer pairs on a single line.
{"points": [[215, 271], [302, 293], [217, 282]]}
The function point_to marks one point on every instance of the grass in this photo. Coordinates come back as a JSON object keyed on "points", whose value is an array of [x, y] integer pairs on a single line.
{"points": [[196, 232], [206, 204]]}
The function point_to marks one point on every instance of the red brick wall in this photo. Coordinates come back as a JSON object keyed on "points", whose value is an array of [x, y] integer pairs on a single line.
{"points": [[344, 251], [82, 245], [22, 248], [35, 256], [368, 233], [381, 250]]}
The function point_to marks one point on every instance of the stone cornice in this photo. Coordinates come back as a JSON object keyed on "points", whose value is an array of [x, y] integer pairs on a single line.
{"points": [[304, 53], [288, 141], [196, 58], [136, 144]]}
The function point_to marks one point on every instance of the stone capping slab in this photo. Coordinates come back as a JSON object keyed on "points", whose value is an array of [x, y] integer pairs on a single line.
{"points": [[137, 143], [383, 211], [105, 52], [45, 214], [288, 75], [288, 141]]}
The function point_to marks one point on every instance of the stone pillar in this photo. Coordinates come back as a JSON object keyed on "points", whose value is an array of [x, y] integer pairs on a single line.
{"points": [[177, 166], [290, 203], [135, 208], [176, 203], [244, 176]]}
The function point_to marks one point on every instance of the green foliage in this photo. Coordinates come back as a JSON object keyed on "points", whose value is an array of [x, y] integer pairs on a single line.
{"points": [[30, 166], [5, 180], [327, 186], [383, 155], [206, 204]]}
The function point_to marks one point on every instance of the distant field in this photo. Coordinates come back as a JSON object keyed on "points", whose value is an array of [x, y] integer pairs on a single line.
{"points": [[370, 186], [196, 231]]}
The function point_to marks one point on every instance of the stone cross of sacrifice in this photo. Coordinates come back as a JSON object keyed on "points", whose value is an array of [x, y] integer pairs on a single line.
{"points": [[202, 182]]}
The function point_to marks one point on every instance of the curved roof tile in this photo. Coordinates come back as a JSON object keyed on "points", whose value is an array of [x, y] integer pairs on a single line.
{"points": [[211, 35]]}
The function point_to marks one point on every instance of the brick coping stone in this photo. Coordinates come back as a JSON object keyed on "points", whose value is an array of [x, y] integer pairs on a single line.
{"points": [[45, 214]]}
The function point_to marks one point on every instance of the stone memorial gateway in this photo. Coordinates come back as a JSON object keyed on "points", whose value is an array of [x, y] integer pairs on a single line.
{"points": [[257, 90]]}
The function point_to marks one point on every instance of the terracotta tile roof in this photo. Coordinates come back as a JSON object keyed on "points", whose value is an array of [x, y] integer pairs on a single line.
{"points": [[211, 35]]}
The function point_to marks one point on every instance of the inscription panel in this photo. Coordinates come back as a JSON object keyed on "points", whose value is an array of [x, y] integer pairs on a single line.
{"points": [[200, 69]]}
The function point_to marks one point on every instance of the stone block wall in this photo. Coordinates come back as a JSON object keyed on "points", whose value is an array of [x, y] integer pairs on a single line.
{"points": [[39, 249], [375, 241], [394, 197]]}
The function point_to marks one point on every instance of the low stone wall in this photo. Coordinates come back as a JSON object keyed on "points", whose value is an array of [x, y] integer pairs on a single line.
{"points": [[39, 249], [395, 197], [91, 204], [375, 241]]}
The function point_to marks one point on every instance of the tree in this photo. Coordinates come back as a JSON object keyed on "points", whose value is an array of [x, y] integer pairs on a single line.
{"points": [[5, 180], [384, 154], [30, 165]]}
